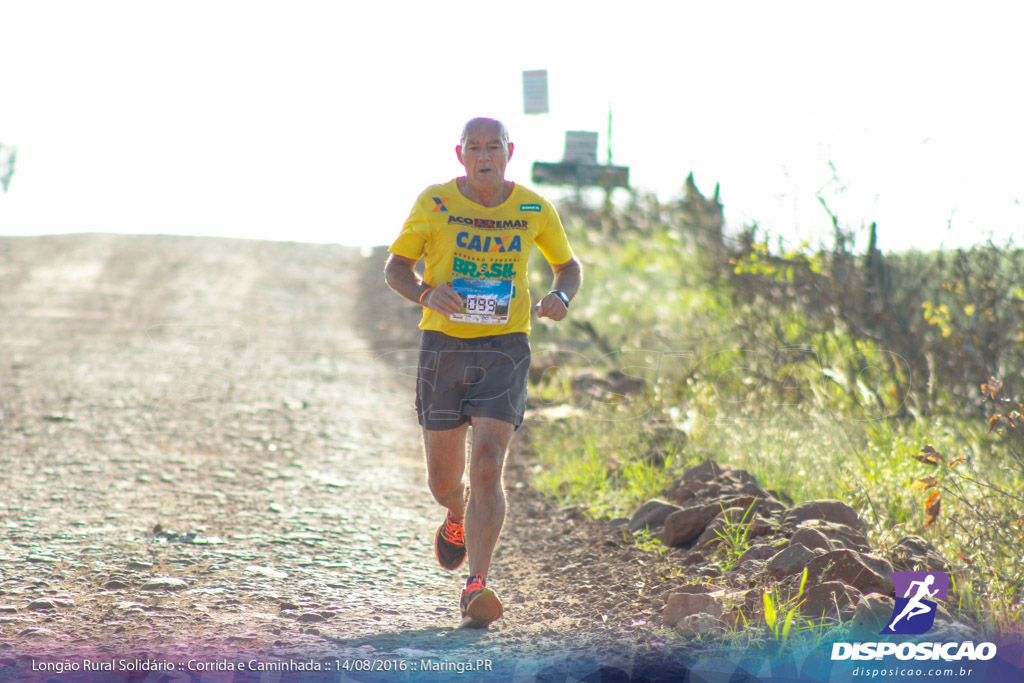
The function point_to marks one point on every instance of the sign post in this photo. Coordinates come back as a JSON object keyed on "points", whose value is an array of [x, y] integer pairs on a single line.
{"points": [[579, 167]]}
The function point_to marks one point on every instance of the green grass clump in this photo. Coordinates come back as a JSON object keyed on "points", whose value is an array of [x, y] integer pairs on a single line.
{"points": [[600, 465]]}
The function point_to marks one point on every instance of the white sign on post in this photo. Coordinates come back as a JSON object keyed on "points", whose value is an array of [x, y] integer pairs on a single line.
{"points": [[535, 92], [580, 147]]}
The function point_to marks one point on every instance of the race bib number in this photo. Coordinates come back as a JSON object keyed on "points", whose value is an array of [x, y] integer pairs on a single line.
{"points": [[484, 301]]}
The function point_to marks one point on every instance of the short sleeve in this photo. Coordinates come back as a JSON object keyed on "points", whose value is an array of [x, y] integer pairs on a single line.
{"points": [[552, 240], [411, 242]]}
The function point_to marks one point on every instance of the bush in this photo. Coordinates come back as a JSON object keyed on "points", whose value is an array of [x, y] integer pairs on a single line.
{"points": [[821, 370]]}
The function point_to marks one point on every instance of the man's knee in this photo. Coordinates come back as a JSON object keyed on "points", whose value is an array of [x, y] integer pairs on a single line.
{"points": [[443, 481], [486, 468]]}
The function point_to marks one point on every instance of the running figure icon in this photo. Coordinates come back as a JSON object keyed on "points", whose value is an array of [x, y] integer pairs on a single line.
{"points": [[915, 606]]}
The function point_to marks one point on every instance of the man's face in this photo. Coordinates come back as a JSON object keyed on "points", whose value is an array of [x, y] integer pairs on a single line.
{"points": [[484, 155]]}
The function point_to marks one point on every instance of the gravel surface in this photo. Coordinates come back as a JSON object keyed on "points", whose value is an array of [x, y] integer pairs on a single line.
{"points": [[208, 454]]}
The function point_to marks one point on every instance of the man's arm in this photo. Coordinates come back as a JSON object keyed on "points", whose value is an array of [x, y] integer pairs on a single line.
{"points": [[401, 276], [568, 278]]}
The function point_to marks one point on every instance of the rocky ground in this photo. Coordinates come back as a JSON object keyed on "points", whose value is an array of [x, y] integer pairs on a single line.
{"points": [[208, 455]]}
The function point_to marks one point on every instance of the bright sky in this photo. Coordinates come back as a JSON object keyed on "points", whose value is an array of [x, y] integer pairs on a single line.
{"points": [[321, 121]]}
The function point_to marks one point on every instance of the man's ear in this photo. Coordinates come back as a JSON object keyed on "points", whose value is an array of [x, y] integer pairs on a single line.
{"points": [[511, 146], [458, 153]]}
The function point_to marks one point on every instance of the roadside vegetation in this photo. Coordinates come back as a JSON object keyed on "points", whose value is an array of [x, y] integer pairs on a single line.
{"points": [[889, 381]]}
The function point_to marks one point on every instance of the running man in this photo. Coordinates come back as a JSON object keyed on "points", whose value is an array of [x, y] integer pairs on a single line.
{"points": [[474, 233], [914, 606]]}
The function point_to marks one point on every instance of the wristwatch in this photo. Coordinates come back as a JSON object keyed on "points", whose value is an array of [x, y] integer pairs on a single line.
{"points": [[561, 295]]}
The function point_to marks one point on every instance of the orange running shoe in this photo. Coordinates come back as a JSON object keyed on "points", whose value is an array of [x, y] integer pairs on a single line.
{"points": [[480, 605], [450, 543]]}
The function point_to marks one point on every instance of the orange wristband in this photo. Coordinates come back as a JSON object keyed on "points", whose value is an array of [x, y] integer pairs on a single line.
{"points": [[424, 294]]}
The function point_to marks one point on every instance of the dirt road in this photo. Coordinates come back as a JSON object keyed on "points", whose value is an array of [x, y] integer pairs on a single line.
{"points": [[208, 454]]}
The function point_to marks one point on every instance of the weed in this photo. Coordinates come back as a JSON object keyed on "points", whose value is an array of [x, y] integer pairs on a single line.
{"points": [[735, 537], [649, 543], [985, 529], [780, 615]]}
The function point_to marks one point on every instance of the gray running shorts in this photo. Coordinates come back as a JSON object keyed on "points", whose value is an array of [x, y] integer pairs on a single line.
{"points": [[458, 379]]}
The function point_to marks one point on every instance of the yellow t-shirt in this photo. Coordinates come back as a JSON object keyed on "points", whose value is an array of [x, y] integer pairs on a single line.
{"points": [[482, 252]]}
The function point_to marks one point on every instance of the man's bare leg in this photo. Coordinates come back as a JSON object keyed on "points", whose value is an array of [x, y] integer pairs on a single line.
{"points": [[446, 465], [485, 514]]}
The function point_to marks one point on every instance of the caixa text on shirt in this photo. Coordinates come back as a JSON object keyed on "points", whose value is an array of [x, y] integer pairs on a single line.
{"points": [[495, 244]]}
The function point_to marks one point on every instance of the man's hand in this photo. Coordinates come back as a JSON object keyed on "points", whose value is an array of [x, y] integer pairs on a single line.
{"points": [[551, 307], [568, 278], [444, 300], [400, 274]]}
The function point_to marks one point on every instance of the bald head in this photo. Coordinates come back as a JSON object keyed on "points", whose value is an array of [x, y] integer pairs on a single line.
{"points": [[481, 121], [484, 151]]}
